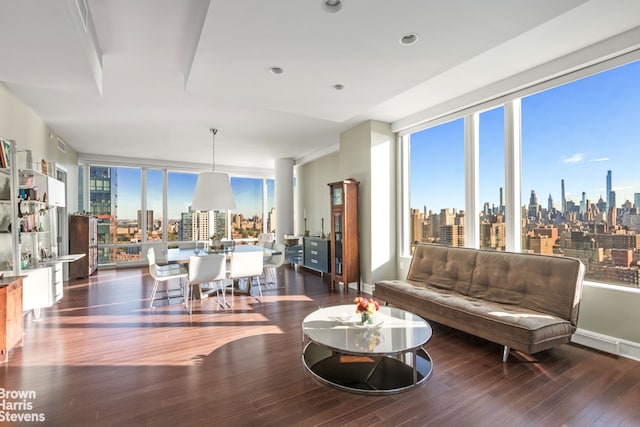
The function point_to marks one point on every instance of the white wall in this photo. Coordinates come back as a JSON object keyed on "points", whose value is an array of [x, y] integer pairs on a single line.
{"points": [[19, 123], [313, 193], [609, 319], [367, 154]]}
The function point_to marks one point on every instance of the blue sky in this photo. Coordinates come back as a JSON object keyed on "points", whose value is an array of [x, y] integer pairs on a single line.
{"points": [[576, 132]]}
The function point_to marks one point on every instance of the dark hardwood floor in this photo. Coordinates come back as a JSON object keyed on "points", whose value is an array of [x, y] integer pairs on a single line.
{"points": [[101, 357]]}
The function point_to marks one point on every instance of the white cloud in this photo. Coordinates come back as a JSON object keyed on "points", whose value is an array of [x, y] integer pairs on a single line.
{"points": [[576, 158], [601, 159]]}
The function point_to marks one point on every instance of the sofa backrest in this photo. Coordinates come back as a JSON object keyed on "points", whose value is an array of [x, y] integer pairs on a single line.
{"points": [[544, 283], [445, 267]]}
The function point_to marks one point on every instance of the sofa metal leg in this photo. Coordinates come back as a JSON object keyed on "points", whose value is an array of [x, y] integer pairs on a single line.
{"points": [[505, 353]]}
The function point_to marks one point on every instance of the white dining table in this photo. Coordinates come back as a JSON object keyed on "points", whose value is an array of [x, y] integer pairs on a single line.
{"points": [[182, 255]]}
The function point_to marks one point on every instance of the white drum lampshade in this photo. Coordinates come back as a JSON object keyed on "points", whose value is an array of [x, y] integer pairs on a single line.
{"points": [[213, 192]]}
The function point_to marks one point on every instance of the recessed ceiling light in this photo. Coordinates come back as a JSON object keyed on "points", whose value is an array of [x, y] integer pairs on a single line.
{"points": [[331, 6], [337, 87], [409, 38], [276, 70]]}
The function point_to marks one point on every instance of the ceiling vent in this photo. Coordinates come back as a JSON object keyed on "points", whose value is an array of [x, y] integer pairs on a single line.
{"points": [[62, 146]]}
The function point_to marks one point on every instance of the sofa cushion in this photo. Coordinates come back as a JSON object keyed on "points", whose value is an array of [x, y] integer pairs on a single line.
{"points": [[446, 269]]}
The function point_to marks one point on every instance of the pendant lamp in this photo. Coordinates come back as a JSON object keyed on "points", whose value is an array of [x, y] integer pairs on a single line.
{"points": [[213, 189]]}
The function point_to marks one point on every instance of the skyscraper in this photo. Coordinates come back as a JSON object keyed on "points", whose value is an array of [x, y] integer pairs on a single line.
{"points": [[610, 203], [534, 208], [563, 195], [612, 198], [200, 225], [100, 190]]}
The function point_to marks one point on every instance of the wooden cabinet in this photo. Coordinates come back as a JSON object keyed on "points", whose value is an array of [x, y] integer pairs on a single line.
{"points": [[10, 315], [83, 235], [316, 254], [344, 233]]}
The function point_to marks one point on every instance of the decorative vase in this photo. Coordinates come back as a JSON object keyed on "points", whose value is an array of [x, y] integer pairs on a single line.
{"points": [[366, 318]]}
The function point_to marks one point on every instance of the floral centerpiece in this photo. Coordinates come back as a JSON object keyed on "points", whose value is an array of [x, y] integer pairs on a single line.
{"points": [[366, 307]]}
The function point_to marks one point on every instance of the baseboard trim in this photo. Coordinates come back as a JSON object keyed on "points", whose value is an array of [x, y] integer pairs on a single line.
{"points": [[613, 345], [366, 288]]}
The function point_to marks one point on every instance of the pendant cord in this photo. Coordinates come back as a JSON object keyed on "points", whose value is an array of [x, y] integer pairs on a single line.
{"points": [[214, 131]]}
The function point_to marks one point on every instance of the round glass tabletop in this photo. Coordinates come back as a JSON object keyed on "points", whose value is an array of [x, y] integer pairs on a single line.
{"points": [[393, 330]]}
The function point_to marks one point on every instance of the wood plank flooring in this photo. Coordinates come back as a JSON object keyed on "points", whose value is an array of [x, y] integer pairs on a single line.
{"points": [[101, 357]]}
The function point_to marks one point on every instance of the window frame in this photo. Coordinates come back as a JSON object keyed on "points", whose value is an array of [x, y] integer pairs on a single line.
{"points": [[513, 158]]}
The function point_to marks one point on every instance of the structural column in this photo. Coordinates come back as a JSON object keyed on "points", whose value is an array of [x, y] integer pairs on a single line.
{"points": [[471, 155], [513, 160], [284, 198]]}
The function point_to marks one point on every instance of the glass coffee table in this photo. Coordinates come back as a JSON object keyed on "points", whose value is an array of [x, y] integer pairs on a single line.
{"points": [[384, 358]]}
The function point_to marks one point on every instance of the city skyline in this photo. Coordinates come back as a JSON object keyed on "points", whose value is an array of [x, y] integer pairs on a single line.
{"points": [[180, 193], [576, 133]]}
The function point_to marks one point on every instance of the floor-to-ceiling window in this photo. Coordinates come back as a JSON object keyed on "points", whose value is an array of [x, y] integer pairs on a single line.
{"points": [[580, 187], [154, 220], [491, 176], [180, 188], [247, 220], [115, 199], [436, 184], [580, 173], [116, 196], [270, 225]]}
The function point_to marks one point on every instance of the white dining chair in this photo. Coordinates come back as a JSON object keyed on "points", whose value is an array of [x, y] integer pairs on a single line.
{"points": [[157, 254], [266, 240], [272, 263], [167, 274], [247, 265], [209, 269]]}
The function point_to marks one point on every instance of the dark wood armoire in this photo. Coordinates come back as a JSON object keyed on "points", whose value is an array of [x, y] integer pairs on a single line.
{"points": [[345, 250]]}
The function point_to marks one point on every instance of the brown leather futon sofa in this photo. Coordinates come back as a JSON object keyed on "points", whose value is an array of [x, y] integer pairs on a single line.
{"points": [[524, 302]]}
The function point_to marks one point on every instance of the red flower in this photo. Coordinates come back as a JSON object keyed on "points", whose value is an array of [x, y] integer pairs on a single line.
{"points": [[366, 305]]}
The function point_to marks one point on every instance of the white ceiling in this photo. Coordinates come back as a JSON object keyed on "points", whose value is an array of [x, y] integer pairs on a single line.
{"points": [[159, 73]]}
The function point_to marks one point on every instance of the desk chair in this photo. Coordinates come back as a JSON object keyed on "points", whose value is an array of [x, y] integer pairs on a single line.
{"points": [[271, 265], [209, 269], [167, 273], [247, 265]]}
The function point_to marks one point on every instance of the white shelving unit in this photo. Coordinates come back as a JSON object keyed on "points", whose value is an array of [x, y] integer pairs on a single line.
{"points": [[28, 233]]}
